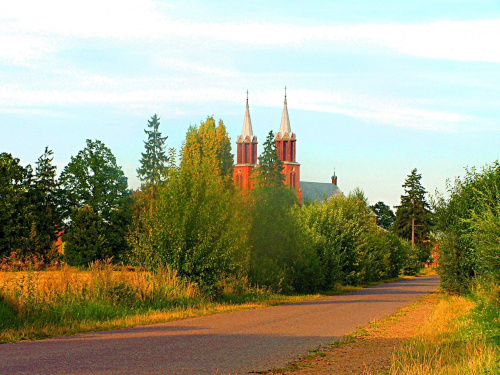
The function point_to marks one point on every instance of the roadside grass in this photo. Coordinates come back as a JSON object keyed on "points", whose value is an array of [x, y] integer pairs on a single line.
{"points": [[43, 304], [461, 337]]}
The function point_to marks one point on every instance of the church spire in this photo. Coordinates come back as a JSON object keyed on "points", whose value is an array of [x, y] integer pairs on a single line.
{"points": [[247, 123], [285, 121]]}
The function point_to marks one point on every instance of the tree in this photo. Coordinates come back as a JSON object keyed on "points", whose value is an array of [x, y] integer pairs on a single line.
{"points": [[86, 238], [93, 178], [385, 216], [154, 160], [413, 216], [15, 205], [281, 257], [270, 169], [198, 227], [45, 192], [209, 145]]}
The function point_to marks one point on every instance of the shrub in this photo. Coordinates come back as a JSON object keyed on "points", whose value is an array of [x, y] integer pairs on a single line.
{"points": [[469, 229]]}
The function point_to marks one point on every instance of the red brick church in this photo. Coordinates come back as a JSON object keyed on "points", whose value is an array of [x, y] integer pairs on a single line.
{"points": [[286, 146]]}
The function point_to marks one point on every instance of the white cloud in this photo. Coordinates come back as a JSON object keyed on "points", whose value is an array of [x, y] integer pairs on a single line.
{"points": [[367, 108], [26, 28], [31, 31]]}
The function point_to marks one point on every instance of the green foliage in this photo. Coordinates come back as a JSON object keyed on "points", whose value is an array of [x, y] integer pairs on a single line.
{"points": [[385, 216], [281, 256], [93, 178], [413, 214], [351, 248], [199, 231], [412, 263], [154, 160], [46, 196], [269, 172], [15, 205], [469, 229], [209, 145], [86, 238], [197, 227], [487, 240]]}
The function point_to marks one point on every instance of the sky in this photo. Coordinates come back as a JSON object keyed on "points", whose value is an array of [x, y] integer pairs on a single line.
{"points": [[374, 89]]}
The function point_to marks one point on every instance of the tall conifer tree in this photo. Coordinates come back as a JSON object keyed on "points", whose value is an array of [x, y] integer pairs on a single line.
{"points": [[413, 214], [45, 195], [154, 160], [269, 172]]}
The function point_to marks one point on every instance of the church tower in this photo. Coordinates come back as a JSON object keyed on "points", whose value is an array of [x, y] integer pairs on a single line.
{"points": [[286, 148], [246, 154]]}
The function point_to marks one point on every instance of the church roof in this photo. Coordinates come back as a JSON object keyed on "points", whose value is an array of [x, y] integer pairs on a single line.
{"points": [[285, 122], [247, 124], [318, 191]]}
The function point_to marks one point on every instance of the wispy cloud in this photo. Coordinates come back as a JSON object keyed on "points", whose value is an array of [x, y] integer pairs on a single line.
{"points": [[34, 32], [377, 110], [28, 28]]}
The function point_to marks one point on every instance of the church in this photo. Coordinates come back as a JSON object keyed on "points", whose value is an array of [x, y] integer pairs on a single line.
{"points": [[286, 147]]}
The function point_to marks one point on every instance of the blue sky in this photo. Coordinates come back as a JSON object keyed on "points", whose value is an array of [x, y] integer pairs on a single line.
{"points": [[375, 89]]}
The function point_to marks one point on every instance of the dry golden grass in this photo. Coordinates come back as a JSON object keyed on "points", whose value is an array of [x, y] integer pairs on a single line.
{"points": [[446, 344], [54, 303]]}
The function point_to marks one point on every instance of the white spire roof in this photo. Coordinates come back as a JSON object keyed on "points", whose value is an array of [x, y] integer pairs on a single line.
{"points": [[285, 121], [247, 123]]}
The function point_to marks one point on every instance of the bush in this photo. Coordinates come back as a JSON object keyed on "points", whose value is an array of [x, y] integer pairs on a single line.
{"points": [[469, 229], [197, 229], [350, 247], [281, 257]]}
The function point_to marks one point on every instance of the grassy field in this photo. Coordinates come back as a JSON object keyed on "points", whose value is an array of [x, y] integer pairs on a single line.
{"points": [[42, 304]]}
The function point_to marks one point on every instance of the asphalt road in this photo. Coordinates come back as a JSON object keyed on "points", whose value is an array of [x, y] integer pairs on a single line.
{"points": [[231, 343]]}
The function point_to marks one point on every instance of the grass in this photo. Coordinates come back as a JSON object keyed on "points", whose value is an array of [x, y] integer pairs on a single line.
{"points": [[42, 304], [461, 337]]}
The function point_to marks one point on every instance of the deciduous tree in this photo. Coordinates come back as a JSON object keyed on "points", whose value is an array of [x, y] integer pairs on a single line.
{"points": [[385, 215], [15, 205], [93, 178]]}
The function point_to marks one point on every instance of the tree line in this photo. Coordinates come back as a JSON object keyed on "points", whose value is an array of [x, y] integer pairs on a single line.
{"points": [[189, 215]]}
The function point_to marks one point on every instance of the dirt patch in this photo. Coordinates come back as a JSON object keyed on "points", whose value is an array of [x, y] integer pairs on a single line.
{"points": [[369, 350]]}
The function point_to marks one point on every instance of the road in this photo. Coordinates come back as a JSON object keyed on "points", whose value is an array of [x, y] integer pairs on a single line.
{"points": [[230, 343]]}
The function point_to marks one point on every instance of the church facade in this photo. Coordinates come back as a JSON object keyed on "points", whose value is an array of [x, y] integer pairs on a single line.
{"points": [[286, 147]]}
